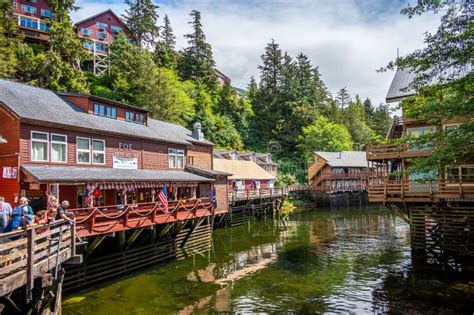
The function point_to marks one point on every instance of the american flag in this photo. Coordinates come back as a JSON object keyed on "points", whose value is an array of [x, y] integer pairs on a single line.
{"points": [[163, 197]]}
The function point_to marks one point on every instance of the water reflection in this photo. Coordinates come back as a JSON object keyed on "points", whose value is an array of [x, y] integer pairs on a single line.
{"points": [[351, 260]]}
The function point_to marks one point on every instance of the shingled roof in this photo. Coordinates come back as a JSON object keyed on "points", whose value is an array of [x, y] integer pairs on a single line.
{"points": [[37, 105], [44, 173], [345, 158], [241, 169]]}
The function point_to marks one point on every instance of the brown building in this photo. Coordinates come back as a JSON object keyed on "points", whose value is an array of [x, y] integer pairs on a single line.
{"points": [[264, 160], [393, 161], [97, 152], [344, 171]]}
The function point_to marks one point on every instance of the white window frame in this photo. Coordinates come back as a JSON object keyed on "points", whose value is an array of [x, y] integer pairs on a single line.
{"points": [[116, 29], [86, 31], [58, 142], [96, 151], [14, 5], [46, 13], [102, 25], [83, 150], [39, 140], [177, 152], [23, 6]]}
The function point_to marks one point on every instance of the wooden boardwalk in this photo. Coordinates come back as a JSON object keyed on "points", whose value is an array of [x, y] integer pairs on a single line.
{"points": [[29, 254], [253, 194]]}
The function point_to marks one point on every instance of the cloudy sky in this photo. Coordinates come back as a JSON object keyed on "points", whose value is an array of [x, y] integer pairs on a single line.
{"points": [[347, 39]]}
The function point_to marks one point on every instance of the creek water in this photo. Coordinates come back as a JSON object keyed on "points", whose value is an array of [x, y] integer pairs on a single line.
{"points": [[354, 260]]}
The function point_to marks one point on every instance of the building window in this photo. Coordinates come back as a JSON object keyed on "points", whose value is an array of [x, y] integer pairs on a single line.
{"points": [[100, 47], [175, 158], [39, 146], [46, 13], [27, 22], [99, 110], [58, 148], [116, 29], [101, 25], [14, 5], [43, 26], [31, 1], [449, 128], [111, 112], [83, 150], [135, 117], [88, 45], [28, 9], [86, 31], [101, 35], [98, 151]]}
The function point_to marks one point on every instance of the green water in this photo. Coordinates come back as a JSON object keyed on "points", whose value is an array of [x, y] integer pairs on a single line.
{"points": [[320, 261]]}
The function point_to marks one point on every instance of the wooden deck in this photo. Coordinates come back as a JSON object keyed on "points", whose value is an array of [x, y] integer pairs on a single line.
{"points": [[28, 254], [109, 219], [394, 151], [253, 194], [412, 191]]}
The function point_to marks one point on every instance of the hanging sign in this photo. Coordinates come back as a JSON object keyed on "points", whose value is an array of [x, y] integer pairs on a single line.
{"points": [[10, 172], [126, 163]]}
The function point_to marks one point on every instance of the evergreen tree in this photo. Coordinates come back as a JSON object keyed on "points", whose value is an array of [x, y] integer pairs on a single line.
{"points": [[197, 62], [343, 98], [141, 19], [323, 135], [61, 9], [9, 43], [381, 120], [165, 54], [369, 110], [271, 68], [444, 81]]}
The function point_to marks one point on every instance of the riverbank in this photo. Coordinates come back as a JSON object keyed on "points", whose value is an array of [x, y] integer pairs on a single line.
{"points": [[342, 260]]}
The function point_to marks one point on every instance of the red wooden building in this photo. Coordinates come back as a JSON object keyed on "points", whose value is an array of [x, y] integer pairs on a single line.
{"points": [[99, 153], [98, 31], [34, 18]]}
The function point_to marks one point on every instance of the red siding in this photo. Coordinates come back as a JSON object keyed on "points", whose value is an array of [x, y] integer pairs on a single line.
{"points": [[150, 155], [40, 4], [9, 188], [108, 18]]}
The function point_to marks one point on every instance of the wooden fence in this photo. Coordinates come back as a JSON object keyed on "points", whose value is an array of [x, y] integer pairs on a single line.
{"points": [[108, 219], [252, 194], [416, 191], [28, 254]]}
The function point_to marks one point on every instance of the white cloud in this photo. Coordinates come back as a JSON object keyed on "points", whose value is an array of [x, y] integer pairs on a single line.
{"points": [[347, 39]]}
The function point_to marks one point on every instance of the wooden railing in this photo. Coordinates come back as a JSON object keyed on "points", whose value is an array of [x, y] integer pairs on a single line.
{"points": [[341, 188], [251, 194], [394, 151], [28, 254], [416, 191], [108, 219]]}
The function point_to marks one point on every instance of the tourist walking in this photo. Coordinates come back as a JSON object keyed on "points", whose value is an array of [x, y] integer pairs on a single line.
{"points": [[5, 213], [22, 215]]}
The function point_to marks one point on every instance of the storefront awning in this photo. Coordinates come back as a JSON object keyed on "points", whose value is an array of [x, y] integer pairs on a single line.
{"points": [[68, 174]]}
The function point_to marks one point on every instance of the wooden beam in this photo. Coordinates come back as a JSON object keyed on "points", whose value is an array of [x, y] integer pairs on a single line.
{"points": [[95, 243], [133, 237]]}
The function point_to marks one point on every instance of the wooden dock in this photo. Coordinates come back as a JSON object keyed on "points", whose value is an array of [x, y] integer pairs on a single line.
{"points": [[32, 254]]}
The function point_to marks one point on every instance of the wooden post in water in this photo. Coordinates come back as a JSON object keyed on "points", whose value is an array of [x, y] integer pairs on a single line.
{"points": [[30, 267]]}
